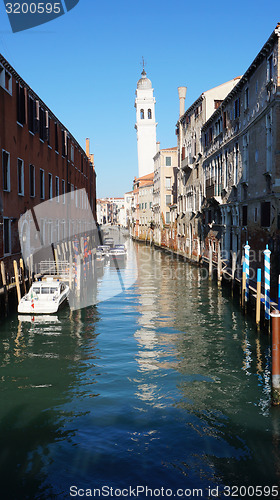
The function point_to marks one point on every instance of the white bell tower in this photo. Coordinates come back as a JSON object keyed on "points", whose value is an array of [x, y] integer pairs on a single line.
{"points": [[145, 125]]}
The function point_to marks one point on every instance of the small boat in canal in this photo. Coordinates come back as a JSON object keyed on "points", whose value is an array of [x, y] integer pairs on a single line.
{"points": [[44, 297], [118, 254]]}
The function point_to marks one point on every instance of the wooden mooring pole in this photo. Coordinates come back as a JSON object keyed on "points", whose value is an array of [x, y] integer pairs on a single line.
{"points": [[21, 265], [17, 281], [219, 270], [275, 379], [243, 290], [210, 262], [233, 270], [4, 281]]}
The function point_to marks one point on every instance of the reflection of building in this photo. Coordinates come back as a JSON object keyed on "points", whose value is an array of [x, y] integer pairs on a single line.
{"points": [[145, 125], [165, 165], [40, 159]]}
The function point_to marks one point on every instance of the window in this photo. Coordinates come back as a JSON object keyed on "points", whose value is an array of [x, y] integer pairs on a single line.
{"points": [[47, 127], [20, 104], [168, 199], [50, 186], [142, 114], [149, 114], [7, 236], [167, 217], [63, 189], [224, 119], [265, 214], [56, 136], [32, 180], [42, 184], [5, 80], [64, 142], [236, 163], [82, 163], [269, 142], [217, 103], [42, 124], [237, 108], [246, 98], [245, 157], [168, 182], [269, 68], [72, 153], [31, 115], [20, 176], [6, 171], [57, 188], [244, 215], [168, 161]]}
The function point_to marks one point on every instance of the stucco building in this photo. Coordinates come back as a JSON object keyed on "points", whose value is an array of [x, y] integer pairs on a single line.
{"points": [[146, 209], [241, 162], [165, 174], [190, 176]]}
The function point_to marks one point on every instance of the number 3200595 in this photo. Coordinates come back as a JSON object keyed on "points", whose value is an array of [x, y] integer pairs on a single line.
{"points": [[33, 8]]}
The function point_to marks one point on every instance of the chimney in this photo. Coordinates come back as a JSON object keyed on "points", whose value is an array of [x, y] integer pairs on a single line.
{"points": [[182, 96], [158, 146], [87, 147]]}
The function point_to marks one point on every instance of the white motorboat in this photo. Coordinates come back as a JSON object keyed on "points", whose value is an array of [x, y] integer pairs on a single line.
{"points": [[44, 297], [117, 254]]}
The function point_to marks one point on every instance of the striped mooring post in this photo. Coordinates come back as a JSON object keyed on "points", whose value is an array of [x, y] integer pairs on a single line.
{"points": [[267, 253], [275, 378], [246, 260], [258, 299]]}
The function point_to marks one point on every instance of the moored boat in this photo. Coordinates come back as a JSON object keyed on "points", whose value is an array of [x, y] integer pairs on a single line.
{"points": [[44, 297], [117, 254]]}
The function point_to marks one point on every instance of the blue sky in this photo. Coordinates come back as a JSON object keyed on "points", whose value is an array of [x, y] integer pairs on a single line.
{"points": [[85, 66]]}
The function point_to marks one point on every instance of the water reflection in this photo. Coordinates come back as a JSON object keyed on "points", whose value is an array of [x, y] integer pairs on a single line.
{"points": [[196, 332], [38, 373], [166, 384]]}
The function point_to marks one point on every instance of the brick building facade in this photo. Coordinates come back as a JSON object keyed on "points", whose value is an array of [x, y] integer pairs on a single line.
{"points": [[40, 160]]}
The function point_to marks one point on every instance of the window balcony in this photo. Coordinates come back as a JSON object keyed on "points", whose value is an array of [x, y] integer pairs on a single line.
{"points": [[213, 190]]}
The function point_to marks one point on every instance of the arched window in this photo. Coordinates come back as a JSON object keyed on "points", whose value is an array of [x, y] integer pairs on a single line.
{"points": [[149, 114], [142, 114]]}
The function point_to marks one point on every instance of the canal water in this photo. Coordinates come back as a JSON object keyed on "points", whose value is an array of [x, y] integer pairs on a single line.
{"points": [[165, 385]]}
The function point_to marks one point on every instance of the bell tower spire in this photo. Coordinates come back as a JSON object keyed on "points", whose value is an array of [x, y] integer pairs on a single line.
{"points": [[145, 124]]}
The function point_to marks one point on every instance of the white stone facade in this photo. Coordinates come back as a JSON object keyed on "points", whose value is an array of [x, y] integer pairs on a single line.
{"points": [[145, 125]]}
